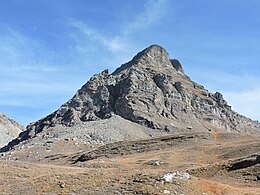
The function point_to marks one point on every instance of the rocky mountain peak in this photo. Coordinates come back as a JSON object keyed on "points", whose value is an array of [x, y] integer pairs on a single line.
{"points": [[150, 90], [154, 58], [154, 52]]}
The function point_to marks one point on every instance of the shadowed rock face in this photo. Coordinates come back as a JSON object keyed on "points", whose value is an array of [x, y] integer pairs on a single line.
{"points": [[9, 129], [151, 90], [244, 163]]}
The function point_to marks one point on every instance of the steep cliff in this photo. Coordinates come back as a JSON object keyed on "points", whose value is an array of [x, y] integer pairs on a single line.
{"points": [[151, 90]]}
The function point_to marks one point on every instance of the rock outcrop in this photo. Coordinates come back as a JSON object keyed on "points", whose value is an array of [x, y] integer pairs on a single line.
{"points": [[151, 90], [9, 129]]}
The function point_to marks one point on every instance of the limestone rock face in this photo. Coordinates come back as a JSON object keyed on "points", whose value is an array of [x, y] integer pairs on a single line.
{"points": [[151, 90], [9, 129]]}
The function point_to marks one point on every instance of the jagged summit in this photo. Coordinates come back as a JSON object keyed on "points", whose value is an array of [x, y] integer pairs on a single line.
{"points": [[150, 90], [155, 52], [154, 57]]}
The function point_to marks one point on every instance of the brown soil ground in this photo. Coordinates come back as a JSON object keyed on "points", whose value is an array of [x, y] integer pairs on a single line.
{"points": [[218, 163]]}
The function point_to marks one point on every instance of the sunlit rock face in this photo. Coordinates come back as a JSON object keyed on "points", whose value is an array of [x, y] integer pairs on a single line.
{"points": [[151, 90], [9, 129]]}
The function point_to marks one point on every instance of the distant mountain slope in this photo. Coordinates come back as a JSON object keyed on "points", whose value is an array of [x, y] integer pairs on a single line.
{"points": [[151, 90], [9, 129]]}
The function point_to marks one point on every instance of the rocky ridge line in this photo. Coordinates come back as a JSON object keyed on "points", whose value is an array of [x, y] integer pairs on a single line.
{"points": [[151, 90]]}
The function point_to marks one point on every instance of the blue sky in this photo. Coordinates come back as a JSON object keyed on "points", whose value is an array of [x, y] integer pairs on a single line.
{"points": [[49, 49]]}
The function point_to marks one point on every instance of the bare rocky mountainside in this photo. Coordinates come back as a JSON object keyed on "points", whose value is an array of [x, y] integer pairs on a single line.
{"points": [[9, 129], [147, 128], [150, 91]]}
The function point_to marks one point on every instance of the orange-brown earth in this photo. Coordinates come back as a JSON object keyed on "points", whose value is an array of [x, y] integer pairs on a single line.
{"points": [[217, 162]]}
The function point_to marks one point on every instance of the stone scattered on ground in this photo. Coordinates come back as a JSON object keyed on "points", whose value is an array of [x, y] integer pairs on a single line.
{"points": [[125, 132]]}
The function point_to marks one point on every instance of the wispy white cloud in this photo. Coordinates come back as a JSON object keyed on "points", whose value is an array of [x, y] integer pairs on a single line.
{"points": [[17, 36], [113, 44], [153, 12], [27, 73], [13, 50]]}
